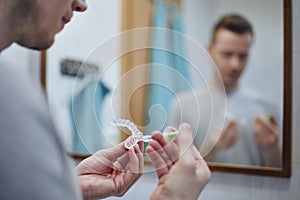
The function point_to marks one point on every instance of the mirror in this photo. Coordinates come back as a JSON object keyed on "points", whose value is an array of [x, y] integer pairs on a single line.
{"points": [[268, 74], [269, 69]]}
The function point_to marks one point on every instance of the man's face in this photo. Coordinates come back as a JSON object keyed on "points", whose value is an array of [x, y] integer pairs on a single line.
{"points": [[44, 19], [230, 54]]}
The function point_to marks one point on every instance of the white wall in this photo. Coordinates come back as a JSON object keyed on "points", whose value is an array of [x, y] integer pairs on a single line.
{"points": [[79, 38]]}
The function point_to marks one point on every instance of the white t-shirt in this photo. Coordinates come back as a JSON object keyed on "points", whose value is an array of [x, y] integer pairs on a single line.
{"points": [[34, 163], [207, 110]]}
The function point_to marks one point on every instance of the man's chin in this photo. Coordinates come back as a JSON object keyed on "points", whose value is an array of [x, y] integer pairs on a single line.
{"points": [[230, 86], [38, 46], [42, 46]]}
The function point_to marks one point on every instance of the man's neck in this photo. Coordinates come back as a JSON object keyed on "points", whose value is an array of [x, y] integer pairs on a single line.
{"points": [[230, 89], [217, 84], [4, 43], [6, 36]]}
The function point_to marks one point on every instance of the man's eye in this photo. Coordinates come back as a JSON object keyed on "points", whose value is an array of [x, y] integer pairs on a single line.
{"points": [[226, 54], [243, 57]]}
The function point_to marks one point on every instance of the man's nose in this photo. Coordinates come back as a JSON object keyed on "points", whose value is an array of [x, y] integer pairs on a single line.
{"points": [[79, 5], [235, 62]]}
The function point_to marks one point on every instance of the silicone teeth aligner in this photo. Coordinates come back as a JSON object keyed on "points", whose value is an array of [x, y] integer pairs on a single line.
{"points": [[136, 134]]}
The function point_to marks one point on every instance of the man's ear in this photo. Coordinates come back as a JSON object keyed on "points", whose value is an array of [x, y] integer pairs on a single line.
{"points": [[209, 48]]}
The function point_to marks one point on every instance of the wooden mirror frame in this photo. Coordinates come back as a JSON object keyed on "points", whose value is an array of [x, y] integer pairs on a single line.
{"points": [[285, 170]]}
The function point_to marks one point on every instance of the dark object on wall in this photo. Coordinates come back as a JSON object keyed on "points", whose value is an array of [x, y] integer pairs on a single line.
{"points": [[77, 68]]}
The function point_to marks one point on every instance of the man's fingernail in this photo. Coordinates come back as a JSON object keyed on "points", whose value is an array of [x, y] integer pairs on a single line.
{"points": [[185, 127]]}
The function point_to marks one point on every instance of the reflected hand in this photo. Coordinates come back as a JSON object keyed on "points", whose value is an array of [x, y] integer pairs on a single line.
{"points": [[266, 131], [228, 136], [181, 170], [225, 138], [267, 136], [110, 172]]}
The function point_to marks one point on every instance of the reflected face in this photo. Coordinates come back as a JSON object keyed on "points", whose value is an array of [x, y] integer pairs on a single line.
{"points": [[41, 20], [230, 53]]}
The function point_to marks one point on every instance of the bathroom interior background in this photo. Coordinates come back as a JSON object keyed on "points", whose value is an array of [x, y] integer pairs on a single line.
{"points": [[80, 42]]}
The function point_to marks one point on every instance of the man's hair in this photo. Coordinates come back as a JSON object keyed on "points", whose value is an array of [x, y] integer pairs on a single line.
{"points": [[234, 23]]}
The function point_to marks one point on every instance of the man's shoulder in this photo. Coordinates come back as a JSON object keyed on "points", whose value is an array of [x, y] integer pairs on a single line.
{"points": [[34, 158], [196, 95], [250, 94]]}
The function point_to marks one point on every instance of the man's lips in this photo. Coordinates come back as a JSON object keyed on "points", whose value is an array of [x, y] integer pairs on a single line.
{"points": [[66, 19], [233, 75]]}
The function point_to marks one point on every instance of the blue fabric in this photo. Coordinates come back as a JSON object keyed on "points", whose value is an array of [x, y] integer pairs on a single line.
{"points": [[168, 68], [86, 117], [180, 64]]}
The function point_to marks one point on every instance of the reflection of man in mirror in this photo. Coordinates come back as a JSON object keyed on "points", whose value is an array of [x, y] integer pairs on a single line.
{"points": [[251, 133]]}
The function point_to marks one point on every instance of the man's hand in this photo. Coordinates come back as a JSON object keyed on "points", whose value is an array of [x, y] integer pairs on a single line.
{"points": [[228, 136], [181, 170], [267, 135], [222, 139], [266, 131], [110, 172]]}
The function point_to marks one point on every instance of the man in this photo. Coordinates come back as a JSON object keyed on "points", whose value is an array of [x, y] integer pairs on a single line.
{"points": [[34, 163], [247, 137]]}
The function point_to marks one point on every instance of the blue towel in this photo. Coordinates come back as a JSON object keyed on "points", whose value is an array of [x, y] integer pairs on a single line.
{"points": [[86, 109], [180, 64], [168, 69]]}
